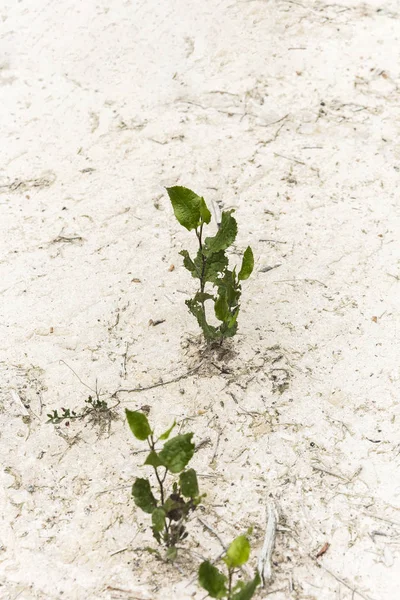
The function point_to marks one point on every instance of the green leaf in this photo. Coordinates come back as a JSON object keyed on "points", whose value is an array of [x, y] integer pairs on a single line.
{"points": [[221, 308], [204, 212], [153, 459], [232, 321], [166, 434], [142, 494], [212, 268], [231, 286], [190, 265], [196, 308], [215, 266], [171, 553], [238, 552], [225, 236], [173, 505], [158, 519], [247, 264], [138, 423], [177, 452], [188, 483], [212, 580], [247, 591], [186, 205]]}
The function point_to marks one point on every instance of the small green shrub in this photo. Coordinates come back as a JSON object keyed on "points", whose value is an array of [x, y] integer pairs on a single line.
{"points": [[210, 265], [169, 510], [219, 585], [94, 408]]}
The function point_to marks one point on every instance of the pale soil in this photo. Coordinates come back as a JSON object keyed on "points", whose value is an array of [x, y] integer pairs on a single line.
{"points": [[288, 112]]}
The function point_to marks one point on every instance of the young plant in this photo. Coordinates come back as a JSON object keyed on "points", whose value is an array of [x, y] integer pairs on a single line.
{"points": [[210, 265], [97, 409], [169, 510], [219, 585]]}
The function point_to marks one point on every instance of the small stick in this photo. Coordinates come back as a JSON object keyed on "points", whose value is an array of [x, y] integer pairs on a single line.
{"points": [[265, 562], [211, 530], [299, 162], [119, 551], [344, 582], [396, 523], [216, 446], [155, 385], [275, 122], [329, 473]]}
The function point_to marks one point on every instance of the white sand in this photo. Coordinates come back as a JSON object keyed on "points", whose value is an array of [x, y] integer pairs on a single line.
{"points": [[287, 111]]}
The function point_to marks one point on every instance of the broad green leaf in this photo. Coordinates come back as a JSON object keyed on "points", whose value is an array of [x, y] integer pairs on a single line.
{"points": [[190, 265], [186, 205], [247, 591], [171, 553], [225, 236], [158, 519], [204, 212], [173, 504], [229, 331], [247, 264], [231, 287], [212, 580], [234, 317], [221, 308], [177, 452], [166, 434], [208, 268], [238, 552], [153, 459], [188, 483], [138, 423], [195, 306], [215, 266], [142, 494]]}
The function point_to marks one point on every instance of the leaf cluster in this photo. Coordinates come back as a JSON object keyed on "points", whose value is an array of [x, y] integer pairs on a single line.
{"points": [[169, 510], [92, 405], [210, 265], [219, 585]]}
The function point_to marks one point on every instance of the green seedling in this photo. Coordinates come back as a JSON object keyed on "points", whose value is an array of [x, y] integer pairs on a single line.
{"points": [[93, 405], [210, 265], [96, 411], [219, 585], [169, 510]]}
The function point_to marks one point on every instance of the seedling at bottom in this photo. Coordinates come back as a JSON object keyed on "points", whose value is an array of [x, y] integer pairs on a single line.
{"points": [[219, 585], [169, 511]]}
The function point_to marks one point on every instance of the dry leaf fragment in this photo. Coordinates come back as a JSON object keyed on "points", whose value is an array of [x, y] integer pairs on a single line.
{"points": [[324, 549], [374, 319], [154, 323], [136, 280]]}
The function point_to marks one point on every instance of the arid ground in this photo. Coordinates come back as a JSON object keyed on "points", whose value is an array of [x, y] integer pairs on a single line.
{"points": [[289, 112]]}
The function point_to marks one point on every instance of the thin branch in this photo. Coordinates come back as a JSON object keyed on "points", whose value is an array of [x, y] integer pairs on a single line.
{"points": [[211, 530], [265, 560], [155, 385], [348, 585]]}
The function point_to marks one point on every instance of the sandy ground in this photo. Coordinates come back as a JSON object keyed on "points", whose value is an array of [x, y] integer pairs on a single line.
{"points": [[288, 112]]}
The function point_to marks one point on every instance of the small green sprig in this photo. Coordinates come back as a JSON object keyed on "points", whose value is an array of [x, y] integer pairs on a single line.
{"points": [[170, 510], [211, 265], [93, 405], [219, 585]]}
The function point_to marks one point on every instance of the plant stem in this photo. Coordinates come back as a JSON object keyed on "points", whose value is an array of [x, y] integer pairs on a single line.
{"points": [[199, 234], [230, 574], [160, 481]]}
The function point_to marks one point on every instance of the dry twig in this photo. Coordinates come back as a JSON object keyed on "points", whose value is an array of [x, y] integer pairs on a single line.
{"points": [[265, 560]]}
